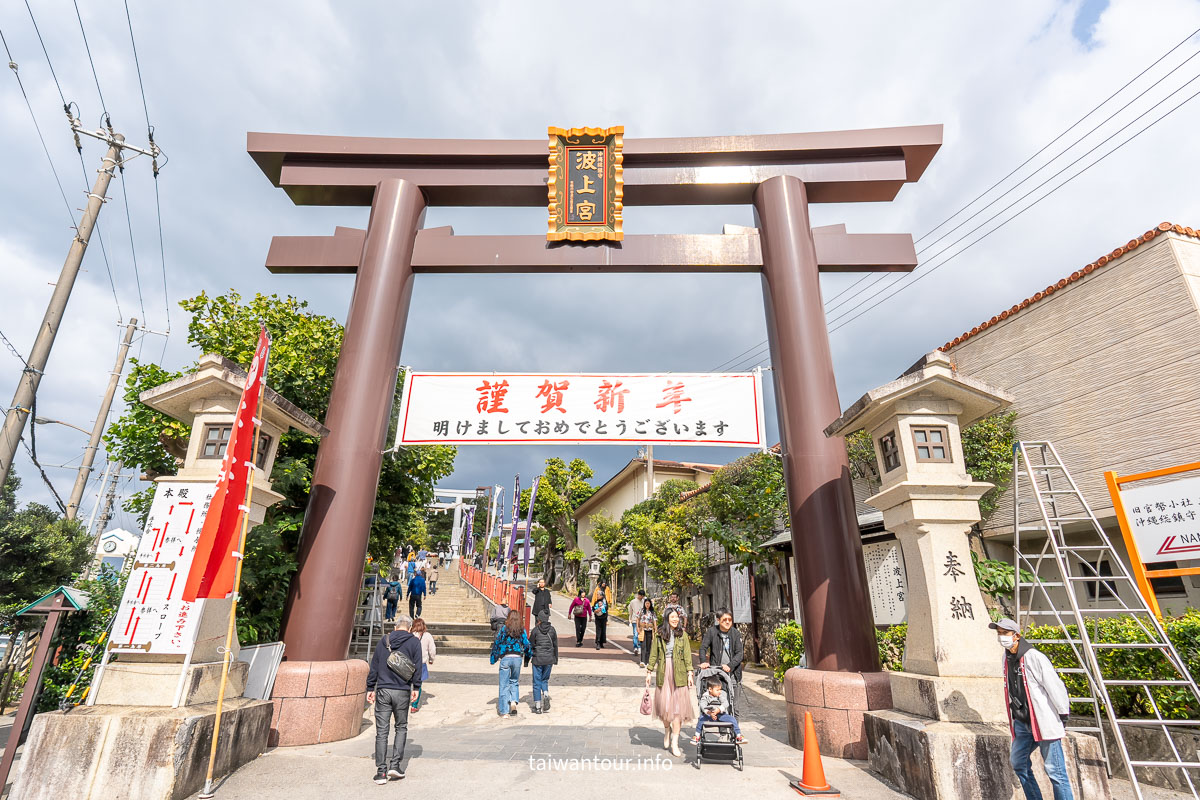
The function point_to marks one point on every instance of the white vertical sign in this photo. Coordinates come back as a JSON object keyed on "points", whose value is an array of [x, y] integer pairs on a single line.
{"points": [[152, 617], [887, 580], [739, 585]]}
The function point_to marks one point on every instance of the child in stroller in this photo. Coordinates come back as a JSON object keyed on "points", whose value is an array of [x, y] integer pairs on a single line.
{"points": [[718, 735]]}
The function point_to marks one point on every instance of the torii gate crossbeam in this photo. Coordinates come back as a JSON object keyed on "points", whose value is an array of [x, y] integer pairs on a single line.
{"points": [[778, 174]]}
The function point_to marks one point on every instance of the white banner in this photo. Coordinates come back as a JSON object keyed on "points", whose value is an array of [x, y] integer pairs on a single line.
{"points": [[719, 409], [1165, 520], [152, 618], [739, 585]]}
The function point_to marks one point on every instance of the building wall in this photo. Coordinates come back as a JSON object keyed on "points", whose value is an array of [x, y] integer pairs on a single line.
{"points": [[628, 493], [1105, 368]]}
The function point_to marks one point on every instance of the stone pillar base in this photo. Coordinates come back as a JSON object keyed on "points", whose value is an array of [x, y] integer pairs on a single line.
{"points": [[130, 683], [837, 701], [949, 699], [318, 701], [136, 752], [933, 760]]}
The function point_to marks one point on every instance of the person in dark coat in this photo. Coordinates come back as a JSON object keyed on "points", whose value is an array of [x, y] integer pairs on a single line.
{"points": [[393, 697], [543, 643], [541, 599], [722, 647]]}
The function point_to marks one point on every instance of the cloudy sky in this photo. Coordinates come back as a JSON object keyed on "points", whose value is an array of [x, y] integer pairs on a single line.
{"points": [[1004, 80]]}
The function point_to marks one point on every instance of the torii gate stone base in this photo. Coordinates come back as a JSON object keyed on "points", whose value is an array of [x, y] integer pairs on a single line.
{"points": [[779, 175]]}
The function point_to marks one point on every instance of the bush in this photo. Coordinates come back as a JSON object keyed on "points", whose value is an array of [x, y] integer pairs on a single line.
{"points": [[1175, 702], [789, 639], [80, 640]]}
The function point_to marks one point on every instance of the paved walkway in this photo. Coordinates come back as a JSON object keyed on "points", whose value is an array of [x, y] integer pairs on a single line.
{"points": [[458, 743]]}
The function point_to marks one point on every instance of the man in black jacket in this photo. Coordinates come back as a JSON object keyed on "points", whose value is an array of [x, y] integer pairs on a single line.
{"points": [[393, 696], [722, 647], [543, 643], [541, 599]]}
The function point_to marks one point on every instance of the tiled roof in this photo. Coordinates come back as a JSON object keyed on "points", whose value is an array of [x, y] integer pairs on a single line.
{"points": [[1132, 244]]}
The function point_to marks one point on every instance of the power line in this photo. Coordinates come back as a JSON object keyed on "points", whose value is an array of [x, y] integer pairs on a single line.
{"points": [[66, 106], [850, 316], [87, 48], [831, 305], [157, 202]]}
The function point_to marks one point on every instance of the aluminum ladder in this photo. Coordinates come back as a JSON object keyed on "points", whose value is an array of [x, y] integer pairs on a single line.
{"points": [[1071, 550], [368, 618]]}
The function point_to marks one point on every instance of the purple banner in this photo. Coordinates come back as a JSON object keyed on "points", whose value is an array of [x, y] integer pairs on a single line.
{"points": [[512, 536], [529, 521]]}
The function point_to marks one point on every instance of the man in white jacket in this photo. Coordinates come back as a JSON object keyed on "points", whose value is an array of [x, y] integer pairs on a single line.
{"points": [[1038, 706]]}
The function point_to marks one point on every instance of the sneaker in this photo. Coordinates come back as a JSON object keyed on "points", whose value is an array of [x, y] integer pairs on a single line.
{"points": [[381, 777], [512, 712], [537, 709], [545, 702], [741, 739], [395, 774], [696, 739]]}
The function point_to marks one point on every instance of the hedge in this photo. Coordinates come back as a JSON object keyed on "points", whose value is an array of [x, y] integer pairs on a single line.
{"points": [[1116, 664]]}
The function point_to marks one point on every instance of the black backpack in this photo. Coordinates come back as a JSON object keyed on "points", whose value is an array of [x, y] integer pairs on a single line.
{"points": [[393, 593]]}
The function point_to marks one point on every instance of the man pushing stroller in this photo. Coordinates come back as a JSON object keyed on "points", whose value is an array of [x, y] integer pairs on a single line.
{"points": [[722, 649]]}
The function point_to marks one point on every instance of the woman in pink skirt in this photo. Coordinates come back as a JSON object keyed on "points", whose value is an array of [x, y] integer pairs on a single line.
{"points": [[671, 665]]}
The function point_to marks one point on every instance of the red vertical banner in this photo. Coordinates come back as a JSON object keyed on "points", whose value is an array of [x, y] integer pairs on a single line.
{"points": [[214, 564]]}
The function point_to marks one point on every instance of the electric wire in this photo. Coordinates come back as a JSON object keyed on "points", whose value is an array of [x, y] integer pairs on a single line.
{"points": [[846, 318], [87, 49], [96, 225], [831, 305]]}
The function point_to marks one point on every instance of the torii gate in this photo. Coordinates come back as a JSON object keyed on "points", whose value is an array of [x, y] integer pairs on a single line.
{"points": [[779, 174]]}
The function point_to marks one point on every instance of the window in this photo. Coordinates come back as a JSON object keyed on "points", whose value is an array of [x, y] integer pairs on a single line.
{"points": [[1167, 587], [1096, 589], [932, 443], [889, 451], [216, 439]]}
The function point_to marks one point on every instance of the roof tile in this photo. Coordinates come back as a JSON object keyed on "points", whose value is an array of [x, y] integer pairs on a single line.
{"points": [[1132, 244]]}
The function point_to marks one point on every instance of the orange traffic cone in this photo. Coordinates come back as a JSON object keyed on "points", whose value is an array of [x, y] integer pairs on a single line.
{"points": [[813, 781]]}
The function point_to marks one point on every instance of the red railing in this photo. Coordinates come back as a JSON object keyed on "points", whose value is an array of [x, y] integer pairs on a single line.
{"points": [[496, 589]]}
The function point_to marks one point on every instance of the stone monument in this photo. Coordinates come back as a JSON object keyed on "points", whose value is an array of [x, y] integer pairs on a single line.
{"points": [[947, 734], [147, 728]]}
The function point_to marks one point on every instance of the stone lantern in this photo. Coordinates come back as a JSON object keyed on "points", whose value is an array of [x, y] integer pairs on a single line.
{"points": [[929, 501]]}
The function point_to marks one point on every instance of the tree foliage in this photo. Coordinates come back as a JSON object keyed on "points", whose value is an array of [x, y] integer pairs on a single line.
{"points": [[80, 640], [747, 501], [612, 539], [564, 487], [304, 352], [39, 550], [658, 530]]}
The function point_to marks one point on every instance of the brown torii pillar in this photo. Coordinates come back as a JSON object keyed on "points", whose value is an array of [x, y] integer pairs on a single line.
{"points": [[780, 175]]}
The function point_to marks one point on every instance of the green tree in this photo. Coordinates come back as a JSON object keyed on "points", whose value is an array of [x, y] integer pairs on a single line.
{"points": [[747, 503], [304, 353], [612, 539], [39, 550], [80, 640], [667, 548], [564, 487]]}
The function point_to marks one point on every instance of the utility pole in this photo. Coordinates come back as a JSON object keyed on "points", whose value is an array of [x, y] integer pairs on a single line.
{"points": [[104, 503], [19, 410], [89, 455]]}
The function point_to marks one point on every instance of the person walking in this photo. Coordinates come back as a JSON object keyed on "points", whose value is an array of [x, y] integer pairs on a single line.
{"points": [[541, 599], [647, 621], [601, 601], [428, 652], [673, 603], [543, 643], [635, 609], [392, 595], [416, 594], [579, 610], [392, 696], [499, 615], [514, 566], [431, 578], [1038, 705], [670, 667], [510, 649], [723, 647]]}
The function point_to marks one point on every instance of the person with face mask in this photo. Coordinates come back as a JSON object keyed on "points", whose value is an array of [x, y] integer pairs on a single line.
{"points": [[1038, 705]]}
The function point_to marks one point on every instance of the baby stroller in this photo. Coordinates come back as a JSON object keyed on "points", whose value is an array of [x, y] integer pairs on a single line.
{"points": [[717, 740]]}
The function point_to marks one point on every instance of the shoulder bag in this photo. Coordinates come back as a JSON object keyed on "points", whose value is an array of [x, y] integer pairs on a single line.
{"points": [[398, 662]]}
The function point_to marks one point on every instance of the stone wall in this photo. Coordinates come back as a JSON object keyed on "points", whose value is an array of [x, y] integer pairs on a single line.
{"points": [[1149, 744]]}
